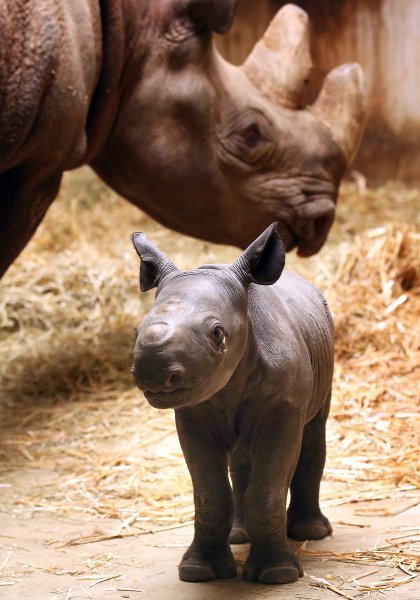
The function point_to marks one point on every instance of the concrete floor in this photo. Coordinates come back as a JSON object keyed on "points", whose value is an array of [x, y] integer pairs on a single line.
{"points": [[35, 565]]}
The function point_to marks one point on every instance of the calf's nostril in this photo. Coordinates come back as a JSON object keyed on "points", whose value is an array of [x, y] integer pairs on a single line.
{"points": [[175, 378], [163, 379]]}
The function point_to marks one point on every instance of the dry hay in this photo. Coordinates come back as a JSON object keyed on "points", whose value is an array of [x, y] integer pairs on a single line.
{"points": [[71, 415], [375, 298]]}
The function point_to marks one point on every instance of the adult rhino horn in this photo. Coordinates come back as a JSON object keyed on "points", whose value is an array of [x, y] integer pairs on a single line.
{"points": [[280, 63], [341, 106]]}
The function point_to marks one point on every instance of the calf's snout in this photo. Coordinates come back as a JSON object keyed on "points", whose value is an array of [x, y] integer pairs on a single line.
{"points": [[168, 379], [152, 372]]}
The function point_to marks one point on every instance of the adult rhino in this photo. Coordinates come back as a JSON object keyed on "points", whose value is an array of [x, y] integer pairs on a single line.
{"points": [[137, 90]]}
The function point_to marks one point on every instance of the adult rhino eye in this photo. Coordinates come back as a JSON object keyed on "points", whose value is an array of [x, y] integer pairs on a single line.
{"points": [[219, 336], [252, 135]]}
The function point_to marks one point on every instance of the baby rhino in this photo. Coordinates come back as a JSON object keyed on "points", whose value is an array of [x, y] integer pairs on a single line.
{"points": [[246, 361]]}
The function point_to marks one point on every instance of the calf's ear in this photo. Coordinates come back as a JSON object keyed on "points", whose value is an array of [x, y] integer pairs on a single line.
{"points": [[214, 15], [154, 266], [263, 261]]}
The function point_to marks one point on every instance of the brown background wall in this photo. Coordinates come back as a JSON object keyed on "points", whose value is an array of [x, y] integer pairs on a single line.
{"points": [[384, 37]]}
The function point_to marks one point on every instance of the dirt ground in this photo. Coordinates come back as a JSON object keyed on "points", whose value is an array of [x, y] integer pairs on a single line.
{"points": [[42, 565], [88, 469]]}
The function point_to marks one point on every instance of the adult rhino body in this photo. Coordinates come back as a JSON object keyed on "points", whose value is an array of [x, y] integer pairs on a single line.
{"points": [[136, 89]]}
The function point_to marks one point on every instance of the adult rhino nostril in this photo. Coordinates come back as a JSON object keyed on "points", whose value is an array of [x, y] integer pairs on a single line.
{"points": [[322, 225], [314, 220], [313, 224]]}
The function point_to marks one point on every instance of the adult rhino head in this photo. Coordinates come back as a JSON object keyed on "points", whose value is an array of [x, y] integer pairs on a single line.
{"points": [[218, 151], [136, 89]]}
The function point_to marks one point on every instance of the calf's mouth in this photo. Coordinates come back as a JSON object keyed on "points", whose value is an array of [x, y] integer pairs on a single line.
{"points": [[166, 399]]}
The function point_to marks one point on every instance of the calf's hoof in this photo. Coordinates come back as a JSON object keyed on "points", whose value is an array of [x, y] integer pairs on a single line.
{"points": [[311, 528], [281, 571], [238, 535], [195, 568]]}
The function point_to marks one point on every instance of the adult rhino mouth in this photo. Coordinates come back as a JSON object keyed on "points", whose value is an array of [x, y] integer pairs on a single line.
{"points": [[309, 228]]}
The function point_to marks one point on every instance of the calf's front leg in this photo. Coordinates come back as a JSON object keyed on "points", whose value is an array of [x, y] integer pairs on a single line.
{"points": [[274, 449], [209, 556]]}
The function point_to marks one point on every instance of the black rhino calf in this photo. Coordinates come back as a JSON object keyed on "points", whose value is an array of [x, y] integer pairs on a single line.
{"points": [[248, 370]]}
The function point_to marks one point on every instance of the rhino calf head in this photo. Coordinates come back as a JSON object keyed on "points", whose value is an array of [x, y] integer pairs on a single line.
{"points": [[192, 340]]}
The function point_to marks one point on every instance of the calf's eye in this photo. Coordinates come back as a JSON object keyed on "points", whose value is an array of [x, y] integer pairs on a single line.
{"points": [[219, 336]]}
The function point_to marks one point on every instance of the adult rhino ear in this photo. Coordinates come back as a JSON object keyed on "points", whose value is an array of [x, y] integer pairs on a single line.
{"points": [[263, 261], [155, 265], [213, 15]]}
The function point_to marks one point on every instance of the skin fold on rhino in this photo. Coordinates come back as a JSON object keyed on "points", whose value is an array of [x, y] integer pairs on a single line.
{"points": [[137, 90], [246, 361]]}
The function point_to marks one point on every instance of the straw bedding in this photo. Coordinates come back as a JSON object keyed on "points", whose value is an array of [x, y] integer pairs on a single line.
{"points": [[68, 308]]}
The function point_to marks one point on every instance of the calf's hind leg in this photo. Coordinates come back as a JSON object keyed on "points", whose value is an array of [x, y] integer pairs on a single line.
{"points": [[305, 520]]}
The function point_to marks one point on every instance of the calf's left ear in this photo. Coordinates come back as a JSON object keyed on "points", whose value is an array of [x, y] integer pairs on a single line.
{"points": [[155, 265], [263, 261]]}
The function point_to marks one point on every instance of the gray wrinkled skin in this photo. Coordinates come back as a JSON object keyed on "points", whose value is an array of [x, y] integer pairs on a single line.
{"points": [[246, 361]]}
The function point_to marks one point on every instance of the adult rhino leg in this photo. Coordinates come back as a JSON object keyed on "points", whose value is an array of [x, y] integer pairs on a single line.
{"points": [[240, 473], [305, 520], [23, 203]]}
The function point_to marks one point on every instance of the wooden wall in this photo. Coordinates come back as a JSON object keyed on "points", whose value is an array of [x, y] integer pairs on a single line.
{"points": [[384, 37]]}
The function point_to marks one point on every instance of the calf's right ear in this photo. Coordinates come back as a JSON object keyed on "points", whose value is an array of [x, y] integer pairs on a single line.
{"points": [[155, 265], [263, 261]]}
